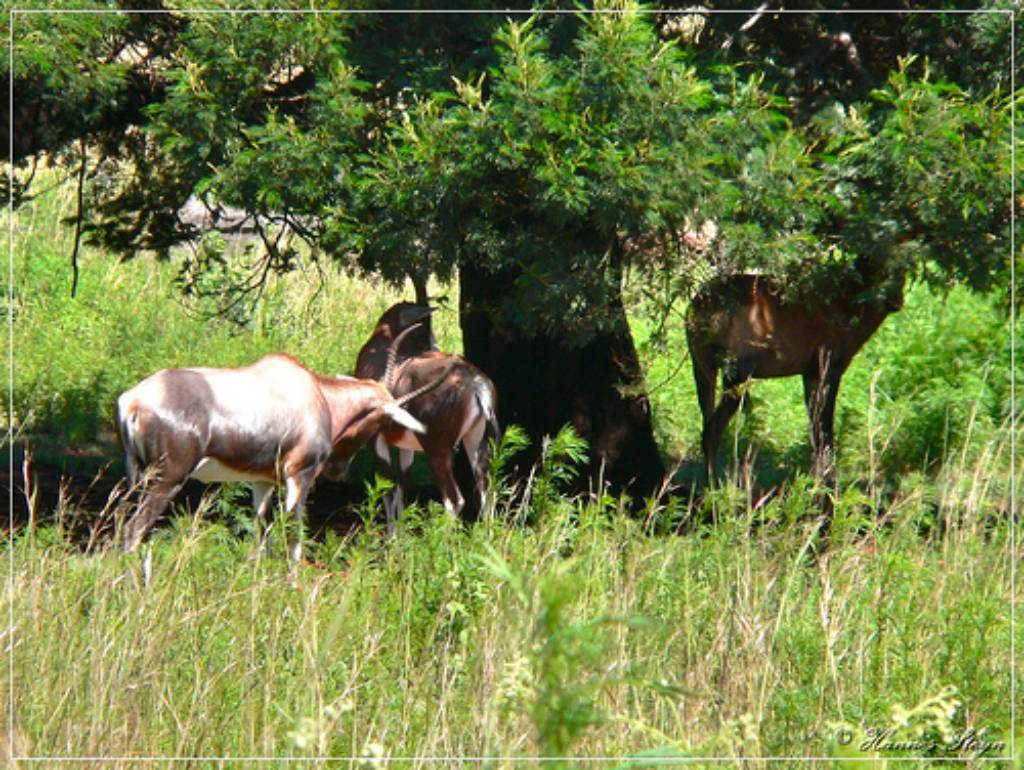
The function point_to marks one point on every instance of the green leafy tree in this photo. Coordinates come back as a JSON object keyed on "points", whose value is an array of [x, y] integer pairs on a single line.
{"points": [[535, 182], [546, 161]]}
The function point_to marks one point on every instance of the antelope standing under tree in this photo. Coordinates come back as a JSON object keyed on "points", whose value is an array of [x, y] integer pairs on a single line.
{"points": [[272, 422], [741, 325], [462, 408]]}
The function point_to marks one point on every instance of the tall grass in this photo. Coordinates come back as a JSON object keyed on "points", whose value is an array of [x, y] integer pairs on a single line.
{"points": [[585, 633]]}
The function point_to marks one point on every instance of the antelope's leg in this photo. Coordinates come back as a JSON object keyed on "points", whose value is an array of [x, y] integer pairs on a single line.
{"points": [[821, 388], [382, 463], [731, 398], [297, 486], [262, 497], [161, 481], [819, 398], [704, 375], [479, 453], [714, 429], [439, 458], [156, 496], [405, 458]]}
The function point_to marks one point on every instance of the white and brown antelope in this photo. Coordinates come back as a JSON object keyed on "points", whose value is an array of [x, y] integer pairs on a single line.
{"points": [[269, 423], [741, 325], [462, 408]]}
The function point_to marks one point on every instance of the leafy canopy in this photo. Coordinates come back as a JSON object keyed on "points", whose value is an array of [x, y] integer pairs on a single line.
{"points": [[580, 149]]}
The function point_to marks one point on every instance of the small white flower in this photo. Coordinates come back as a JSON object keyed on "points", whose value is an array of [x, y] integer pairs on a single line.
{"points": [[372, 755], [304, 736]]}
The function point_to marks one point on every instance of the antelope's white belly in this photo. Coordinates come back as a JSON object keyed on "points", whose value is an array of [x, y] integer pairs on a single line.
{"points": [[211, 471]]}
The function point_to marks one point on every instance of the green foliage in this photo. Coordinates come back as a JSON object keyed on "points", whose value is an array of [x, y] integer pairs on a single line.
{"points": [[562, 657], [924, 162], [584, 632], [561, 456], [558, 168], [72, 70], [932, 728], [75, 355], [493, 640], [943, 396], [543, 166], [541, 155], [231, 130]]}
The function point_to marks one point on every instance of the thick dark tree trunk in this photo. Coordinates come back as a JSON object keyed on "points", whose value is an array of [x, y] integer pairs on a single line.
{"points": [[543, 384]]}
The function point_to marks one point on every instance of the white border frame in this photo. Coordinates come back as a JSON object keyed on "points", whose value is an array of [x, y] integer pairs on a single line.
{"points": [[647, 758]]}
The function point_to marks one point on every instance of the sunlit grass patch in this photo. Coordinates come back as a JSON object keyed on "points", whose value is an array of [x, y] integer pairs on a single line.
{"points": [[586, 632]]}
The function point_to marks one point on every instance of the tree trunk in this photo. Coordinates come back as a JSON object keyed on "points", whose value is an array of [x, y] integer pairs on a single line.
{"points": [[543, 384]]}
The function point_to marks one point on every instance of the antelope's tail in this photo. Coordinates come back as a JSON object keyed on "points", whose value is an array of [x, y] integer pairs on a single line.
{"points": [[486, 399]]}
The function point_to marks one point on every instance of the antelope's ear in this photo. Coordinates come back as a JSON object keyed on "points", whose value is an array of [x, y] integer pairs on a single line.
{"points": [[403, 418]]}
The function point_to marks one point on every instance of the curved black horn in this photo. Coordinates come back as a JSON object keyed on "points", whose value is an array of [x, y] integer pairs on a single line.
{"points": [[452, 361], [389, 371]]}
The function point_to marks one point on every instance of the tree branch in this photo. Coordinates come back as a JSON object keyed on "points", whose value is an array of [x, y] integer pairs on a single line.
{"points": [[78, 217]]}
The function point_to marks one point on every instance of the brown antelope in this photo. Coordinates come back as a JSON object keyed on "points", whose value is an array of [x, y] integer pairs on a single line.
{"points": [[462, 408], [268, 423], [741, 325]]}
